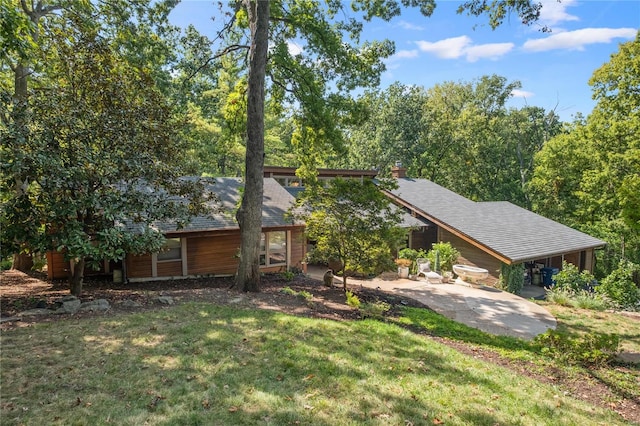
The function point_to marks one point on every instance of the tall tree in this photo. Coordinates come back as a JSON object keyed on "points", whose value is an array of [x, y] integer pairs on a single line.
{"points": [[588, 177], [319, 79], [100, 154], [354, 223]]}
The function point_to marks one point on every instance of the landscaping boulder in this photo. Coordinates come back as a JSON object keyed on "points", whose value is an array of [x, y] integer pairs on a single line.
{"points": [[131, 304], [68, 305], [165, 300], [95, 305]]}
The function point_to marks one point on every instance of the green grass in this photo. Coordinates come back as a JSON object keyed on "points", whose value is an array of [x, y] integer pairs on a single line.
{"points": [[201, 364]]}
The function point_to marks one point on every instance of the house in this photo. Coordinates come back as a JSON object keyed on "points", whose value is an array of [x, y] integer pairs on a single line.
{"points": [[488, 234], [208, 245]]}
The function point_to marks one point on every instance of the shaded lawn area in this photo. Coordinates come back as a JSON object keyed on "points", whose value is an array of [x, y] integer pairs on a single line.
{"points": [[207, 364]]}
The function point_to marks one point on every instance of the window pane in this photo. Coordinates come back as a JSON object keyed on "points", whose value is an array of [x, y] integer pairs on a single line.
{"points": [[277, 241], [277, 258], [171, 250], [263, 243]]}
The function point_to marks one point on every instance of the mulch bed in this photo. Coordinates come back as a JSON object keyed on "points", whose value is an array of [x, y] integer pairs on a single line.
{"points": [[20, 292]]}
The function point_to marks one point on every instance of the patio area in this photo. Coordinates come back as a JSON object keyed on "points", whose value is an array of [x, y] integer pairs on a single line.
{"points": [[485, 308]]}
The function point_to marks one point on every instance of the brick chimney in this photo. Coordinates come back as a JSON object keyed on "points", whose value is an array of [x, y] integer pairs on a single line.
{"points": [[397, 171]]}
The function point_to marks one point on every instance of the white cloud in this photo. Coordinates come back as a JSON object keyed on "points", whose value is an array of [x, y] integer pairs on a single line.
{"points": [[489, 50], [294, 48], [578, 39], [409, 26], [405, 54], [554, 12], [517, 93], [456, 47], [448, 48]]}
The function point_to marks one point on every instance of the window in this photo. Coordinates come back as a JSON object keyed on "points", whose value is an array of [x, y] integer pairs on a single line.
{"points": [[273, 248], [172, 250]]}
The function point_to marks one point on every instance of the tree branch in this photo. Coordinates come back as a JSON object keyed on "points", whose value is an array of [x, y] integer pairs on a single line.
{"points": [[225, 51]]}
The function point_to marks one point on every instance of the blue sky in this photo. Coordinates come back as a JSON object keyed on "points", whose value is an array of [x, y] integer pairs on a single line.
{"points": [[554, 68]]}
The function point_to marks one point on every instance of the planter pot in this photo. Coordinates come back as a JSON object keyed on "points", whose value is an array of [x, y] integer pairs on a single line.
{"points": [[403, 272]]}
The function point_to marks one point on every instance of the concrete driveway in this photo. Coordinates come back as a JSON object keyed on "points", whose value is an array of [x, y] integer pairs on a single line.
{"points": [[485, 308]]}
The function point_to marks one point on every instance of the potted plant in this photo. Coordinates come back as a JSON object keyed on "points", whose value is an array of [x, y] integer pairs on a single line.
{"points": [[403, 267]]}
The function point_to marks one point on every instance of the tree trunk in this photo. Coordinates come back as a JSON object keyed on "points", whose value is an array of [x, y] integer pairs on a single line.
{"points": [[77, 277], [22, 262], [249, 215]]}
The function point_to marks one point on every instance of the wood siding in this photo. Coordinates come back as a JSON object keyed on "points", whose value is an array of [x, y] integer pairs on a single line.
{"points": [[424, 238], [298, 248], [213, 255], [170, 268], [139, 266], [472, 255], [57, 267]]}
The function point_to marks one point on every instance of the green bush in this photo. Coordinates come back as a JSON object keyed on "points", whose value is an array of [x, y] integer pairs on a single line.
{"points": [[589, 349], [589, 300], [619, 286], [560, 296], [512, 278], [374, 310], [352, 300], [5, 263], [572, 280], [447, 255], [289, 290], [287, 275], [412, 255]]}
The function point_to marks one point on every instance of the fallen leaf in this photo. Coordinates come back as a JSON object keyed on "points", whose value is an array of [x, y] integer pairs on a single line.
{"points": [[437, 421], [309, 377], [233, 409]]}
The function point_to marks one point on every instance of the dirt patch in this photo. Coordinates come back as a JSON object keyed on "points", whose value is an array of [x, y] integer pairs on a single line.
{"points": [[20, 292]]}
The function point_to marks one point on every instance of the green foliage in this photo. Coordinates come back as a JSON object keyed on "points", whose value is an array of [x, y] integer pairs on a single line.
{"points": [[352, 299], [375, 310], [303, 293], [287, 275], [5, 263], [353, 222], [412, 255], [512, 277], [458, 134], [560, 296], [570, 279], [588, 176], [588, 349], [94, 134], [288, 290], [447, 256], [590, 300], [621, 286]]}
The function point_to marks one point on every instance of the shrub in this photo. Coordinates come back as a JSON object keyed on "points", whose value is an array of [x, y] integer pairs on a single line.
{"points": [[287, 275], [512, 277], [374, 310], [288, 290], [572, 280], [590, 300], [619, 286], [412, 255], [303, 294], [447, 255], [5, 263], [589, 349], [352, 300], [559, 296]]}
